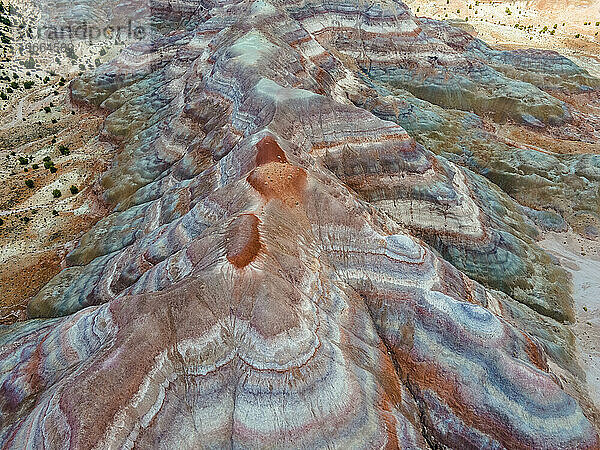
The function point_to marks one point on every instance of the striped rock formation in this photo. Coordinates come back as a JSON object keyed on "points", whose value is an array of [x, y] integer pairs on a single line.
{"points": [[268, 276]]}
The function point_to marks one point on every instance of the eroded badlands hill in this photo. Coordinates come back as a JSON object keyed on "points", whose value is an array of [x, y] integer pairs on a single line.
{"points": [[312, 242]]}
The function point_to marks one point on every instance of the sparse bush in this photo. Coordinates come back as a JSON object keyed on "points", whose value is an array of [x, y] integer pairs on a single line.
{"points": [[3, 96], [23, 161], [56, 193], [64, 150], [74, 190], [53, 169], [54, 212], [30, 63], [14, 85], [35, 166], [47, 109], [29, 184], [71, 52]]}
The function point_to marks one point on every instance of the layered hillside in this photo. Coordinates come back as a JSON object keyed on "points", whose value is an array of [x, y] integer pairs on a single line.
{"points": [[319, 237]]}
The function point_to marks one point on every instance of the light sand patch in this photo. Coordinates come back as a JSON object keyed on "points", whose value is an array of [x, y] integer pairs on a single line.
{"points": [[581, 257]]}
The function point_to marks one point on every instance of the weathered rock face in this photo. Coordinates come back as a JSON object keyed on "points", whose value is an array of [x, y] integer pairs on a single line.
{"points": [[257, 284]]}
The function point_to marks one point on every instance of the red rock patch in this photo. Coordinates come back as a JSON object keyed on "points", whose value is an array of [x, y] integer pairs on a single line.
{"points": [[268, 150], [279, 180], [243, 240]]}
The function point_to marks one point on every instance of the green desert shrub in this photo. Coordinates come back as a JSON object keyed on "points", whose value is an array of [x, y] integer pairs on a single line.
{"points": [[30, 63]]}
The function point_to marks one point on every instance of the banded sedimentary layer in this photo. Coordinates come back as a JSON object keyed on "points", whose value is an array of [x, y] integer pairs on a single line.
{"points": [[286, 264]]}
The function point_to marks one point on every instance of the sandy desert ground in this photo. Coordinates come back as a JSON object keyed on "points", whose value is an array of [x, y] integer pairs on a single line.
{"points": [[581, 257], [50, 157], [569, 27]]}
